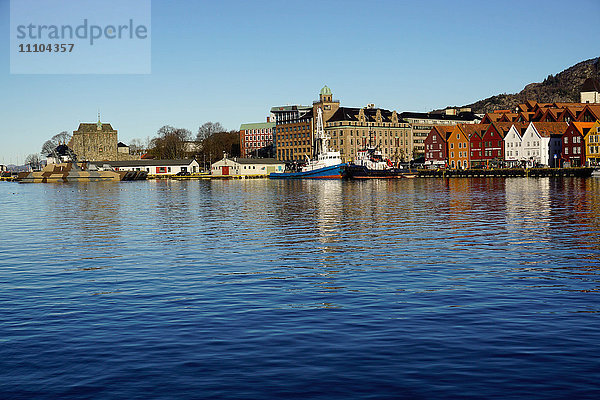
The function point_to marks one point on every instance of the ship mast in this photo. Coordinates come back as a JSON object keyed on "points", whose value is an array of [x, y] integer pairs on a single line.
{"points": [[322, 144]]}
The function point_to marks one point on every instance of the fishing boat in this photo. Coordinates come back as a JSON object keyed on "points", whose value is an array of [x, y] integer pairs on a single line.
{"points": [[370, 163], [327, 164]]}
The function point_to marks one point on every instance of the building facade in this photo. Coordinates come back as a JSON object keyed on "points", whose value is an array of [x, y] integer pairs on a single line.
{"points": [[352, 129], [98, 142], [246, 166], [541, 143], [154, 167], [349, 129], [590, 92], [592, 145], [257, 138], [422, 123], [573, 149], [294, 137], [436, 146], [513, 152]]}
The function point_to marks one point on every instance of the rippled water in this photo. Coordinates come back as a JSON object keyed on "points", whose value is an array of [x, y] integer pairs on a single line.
{"points": [[423, 288]]}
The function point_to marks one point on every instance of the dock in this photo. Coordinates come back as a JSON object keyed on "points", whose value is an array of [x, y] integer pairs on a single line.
{"points": [[506, 172]]}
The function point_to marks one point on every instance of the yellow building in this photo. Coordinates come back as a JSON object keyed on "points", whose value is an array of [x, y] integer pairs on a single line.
{"points": [[592, 145]]}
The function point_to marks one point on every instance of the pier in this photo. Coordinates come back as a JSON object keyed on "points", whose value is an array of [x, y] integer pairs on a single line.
{"points": [[506, 172]]}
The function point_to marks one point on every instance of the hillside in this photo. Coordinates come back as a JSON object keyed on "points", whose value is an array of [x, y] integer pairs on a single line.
{"points": [[563, 87]]}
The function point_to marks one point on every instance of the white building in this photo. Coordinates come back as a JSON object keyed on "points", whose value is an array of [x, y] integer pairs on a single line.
{"points": [[541, 143], [154, 167], [513, 152], [246, 166], [590, 92]]}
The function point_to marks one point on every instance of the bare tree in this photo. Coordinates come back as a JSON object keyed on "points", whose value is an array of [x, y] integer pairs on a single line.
{"points": [[56, 140], [208, 129], [170, 143], [62, 138], [34, 161], [137, 147]]}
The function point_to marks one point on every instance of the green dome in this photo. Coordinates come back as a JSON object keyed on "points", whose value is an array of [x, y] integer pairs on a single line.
{"points": [[325, 91]]}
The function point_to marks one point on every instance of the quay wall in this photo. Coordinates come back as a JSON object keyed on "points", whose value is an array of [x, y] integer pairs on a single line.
{"points": [[505, 172]]}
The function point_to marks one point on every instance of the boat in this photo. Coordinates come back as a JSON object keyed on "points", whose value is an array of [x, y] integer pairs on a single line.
{"points": [[67, 169], [327, 164], [369, 163]]}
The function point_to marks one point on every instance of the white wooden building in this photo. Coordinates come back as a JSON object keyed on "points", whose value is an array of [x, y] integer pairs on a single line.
{"points": [[246, 166], [153, 167], [513, 151], [541, 143]]}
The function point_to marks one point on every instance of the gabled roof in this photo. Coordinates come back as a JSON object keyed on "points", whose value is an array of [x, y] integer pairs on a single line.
{"points": [[443, 130], [581, 126], [503, 127], [525, 116], [547, 129], [491, 117], [572, 112], [550, 113], [591, 85], [473, 129], [593, 110]]}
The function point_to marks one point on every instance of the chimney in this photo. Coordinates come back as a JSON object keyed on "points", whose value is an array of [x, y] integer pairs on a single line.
{"points": [[268, 119]]}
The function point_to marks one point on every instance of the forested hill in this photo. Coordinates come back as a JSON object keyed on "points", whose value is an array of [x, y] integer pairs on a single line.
{"points": [[562, 87]]}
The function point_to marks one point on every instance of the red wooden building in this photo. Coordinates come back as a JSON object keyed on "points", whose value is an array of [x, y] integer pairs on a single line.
{"points": [[436, 145], [573, 144]]}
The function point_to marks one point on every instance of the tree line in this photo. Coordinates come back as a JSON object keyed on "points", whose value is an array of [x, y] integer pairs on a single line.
{"points": [[209, 144]]}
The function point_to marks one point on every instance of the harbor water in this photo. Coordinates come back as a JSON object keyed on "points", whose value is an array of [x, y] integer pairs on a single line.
{"points": [[257, 289]]}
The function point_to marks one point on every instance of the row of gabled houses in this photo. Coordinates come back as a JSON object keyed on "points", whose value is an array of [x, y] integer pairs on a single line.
{"points": [[532, 111], [573, 141]]}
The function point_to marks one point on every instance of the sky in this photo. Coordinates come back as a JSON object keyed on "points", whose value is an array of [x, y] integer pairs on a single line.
{"points": [[231, 61]]}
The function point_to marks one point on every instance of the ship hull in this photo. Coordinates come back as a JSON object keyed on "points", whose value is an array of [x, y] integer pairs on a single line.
{"points": [[65, 172], [362, 172], [333, 172]]}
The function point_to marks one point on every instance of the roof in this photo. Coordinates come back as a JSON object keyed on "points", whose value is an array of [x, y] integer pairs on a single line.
{"points": [[256, 161], [443, 130], [580, 126], [547, 129], [352, 114], [463, 116], [145, 163], [277, 109], [121, 144], [325, 91], [591, 85], [257, 125], [471, 129], [93, 127], [594, 110], [503, 127]]}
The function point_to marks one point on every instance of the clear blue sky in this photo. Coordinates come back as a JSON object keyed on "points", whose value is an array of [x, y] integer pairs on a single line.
{"points": [[230, 61]]}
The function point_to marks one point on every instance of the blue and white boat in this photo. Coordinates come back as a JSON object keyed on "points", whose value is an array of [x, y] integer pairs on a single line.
{"points": [[326, 165]]}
